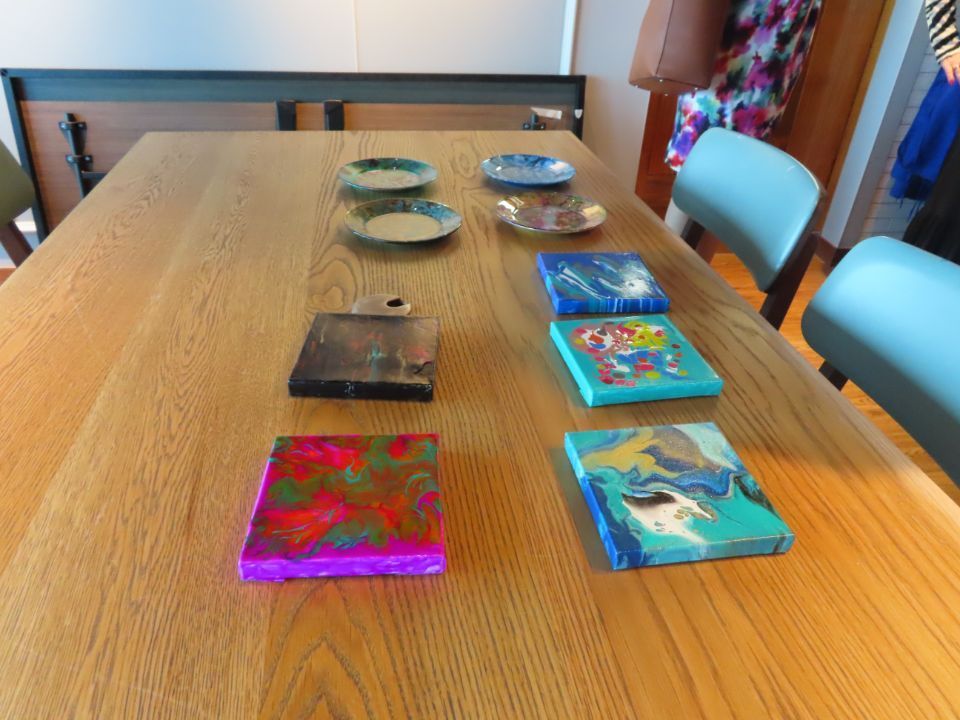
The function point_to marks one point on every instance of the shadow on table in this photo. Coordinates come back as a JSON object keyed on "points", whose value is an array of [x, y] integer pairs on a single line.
{"points": [[582, 520]]}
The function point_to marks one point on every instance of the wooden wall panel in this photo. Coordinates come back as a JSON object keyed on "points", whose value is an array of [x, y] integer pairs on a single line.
{"points": [[112, 129], [654, 177], [450, 116], [837, 73]]}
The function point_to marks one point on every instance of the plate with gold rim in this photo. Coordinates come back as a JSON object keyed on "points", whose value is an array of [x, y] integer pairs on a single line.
{"points": [[402, 220], [387, 174]]}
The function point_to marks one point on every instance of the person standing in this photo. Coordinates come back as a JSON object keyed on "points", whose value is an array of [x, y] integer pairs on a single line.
{"points": [[762, 52], [936, 227], [942, 22]]}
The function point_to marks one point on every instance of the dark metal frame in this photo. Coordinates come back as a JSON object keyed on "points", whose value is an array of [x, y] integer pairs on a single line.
{"points": [[75, 131], [280, 88], [23, 149]]}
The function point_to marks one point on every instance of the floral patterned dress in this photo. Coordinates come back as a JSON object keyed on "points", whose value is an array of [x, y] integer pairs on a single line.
{"points": [[764, 45]]}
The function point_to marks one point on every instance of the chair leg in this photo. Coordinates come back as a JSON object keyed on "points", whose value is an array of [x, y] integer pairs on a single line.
{"points": [[784, 287], [14, 243], [693, 233], [836, 378]]}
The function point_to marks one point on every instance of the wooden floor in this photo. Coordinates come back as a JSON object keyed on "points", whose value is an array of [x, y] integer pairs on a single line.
{"points": [[733, 271]]}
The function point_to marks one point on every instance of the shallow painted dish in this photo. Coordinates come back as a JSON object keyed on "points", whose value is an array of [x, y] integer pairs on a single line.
{"points": [[551, 212], [527, 170], [402, 220], [385, 174]]}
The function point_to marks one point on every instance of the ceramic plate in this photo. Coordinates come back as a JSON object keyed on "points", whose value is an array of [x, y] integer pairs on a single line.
{"points": [[387, 174], [402, 220], [551, 212], [527, 170]]}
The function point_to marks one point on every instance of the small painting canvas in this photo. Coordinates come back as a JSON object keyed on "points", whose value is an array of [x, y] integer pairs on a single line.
{"points": [[368, 356], [347, 505], [600, 283], [632, 359], [670, 494]]}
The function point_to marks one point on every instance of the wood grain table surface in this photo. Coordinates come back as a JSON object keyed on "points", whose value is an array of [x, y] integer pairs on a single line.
{"points": [[144, 351]]}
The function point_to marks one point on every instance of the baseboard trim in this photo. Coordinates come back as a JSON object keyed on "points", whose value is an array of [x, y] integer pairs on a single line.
{"points": [[27, 227]]}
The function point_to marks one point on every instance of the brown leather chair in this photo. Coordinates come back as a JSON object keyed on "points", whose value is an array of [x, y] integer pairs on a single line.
{"points": [[16, 195]]}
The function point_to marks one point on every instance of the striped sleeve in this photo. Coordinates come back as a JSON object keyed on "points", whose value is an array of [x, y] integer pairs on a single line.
{"points": [[942, 21]]}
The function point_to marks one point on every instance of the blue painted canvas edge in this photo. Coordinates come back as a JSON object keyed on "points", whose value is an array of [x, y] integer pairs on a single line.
{"points": [[569, 306], [583, 384], [616, 561], [612, 395]]}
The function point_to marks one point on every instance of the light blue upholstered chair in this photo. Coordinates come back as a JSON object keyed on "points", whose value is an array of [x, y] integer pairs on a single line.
{"points": [[760, 203], [887, 318]]}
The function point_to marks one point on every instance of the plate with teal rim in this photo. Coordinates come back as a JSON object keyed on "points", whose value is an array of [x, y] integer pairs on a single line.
{"points": [[386, 174], [528, 170], [402, 220], [551, 212]]}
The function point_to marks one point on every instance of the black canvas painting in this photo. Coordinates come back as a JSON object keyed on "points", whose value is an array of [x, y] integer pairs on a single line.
{"points": [[368, 356]]}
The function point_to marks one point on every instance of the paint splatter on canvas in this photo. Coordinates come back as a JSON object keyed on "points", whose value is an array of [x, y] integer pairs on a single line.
{"points": [[600, 283], [632, 359], [347, 505], [368, 356], [675, 493]]}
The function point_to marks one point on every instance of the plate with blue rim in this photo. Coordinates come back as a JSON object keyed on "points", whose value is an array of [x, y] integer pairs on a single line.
{"points": [[402, 220], [387, 174], [528, 170]]}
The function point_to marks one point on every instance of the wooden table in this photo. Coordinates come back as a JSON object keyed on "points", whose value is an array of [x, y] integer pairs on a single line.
{"points": [[145, 350]]}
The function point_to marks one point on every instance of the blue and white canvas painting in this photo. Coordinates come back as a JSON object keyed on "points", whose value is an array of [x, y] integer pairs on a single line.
{"points": [[674, 493], [604, 282]]}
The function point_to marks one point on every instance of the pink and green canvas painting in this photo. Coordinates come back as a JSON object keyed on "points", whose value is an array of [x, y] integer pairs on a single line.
{"points": [[347, 505]]}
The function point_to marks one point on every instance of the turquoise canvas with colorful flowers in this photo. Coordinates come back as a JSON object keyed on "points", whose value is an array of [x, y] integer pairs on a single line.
{"points": [[632, 359], [675, 493]]}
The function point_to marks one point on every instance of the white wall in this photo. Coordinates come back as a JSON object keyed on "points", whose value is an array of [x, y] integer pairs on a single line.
{"points": [[887, 215], [615, 111], [493, 36], [901, 56], [466, 36]]}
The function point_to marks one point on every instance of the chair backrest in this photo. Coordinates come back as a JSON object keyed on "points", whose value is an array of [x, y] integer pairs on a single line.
{"points": [[16, 190], [756, 199], [886, 317]]}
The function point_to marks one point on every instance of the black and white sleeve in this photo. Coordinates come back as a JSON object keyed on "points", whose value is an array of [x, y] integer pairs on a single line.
{"points": [[942, 21]]}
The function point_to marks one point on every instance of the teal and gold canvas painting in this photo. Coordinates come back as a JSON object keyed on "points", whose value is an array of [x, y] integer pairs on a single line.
{"points": [[674, 493], [632, 359], [600, 282]]}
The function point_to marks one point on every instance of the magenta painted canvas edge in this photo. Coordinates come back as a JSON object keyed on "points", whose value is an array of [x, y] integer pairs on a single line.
{"points": [[280, 570], [256, 504], [393, 548]]}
